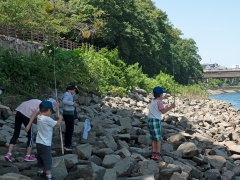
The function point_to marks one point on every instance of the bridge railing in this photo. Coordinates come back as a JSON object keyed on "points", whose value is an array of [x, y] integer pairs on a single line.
{"points": [[39, 37]]}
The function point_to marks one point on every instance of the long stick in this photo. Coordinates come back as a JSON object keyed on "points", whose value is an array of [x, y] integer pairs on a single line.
{"points": [[55, 82], [174, 82]]}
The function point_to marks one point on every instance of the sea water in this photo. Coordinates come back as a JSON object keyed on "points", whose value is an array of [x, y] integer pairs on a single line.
{"points": [[233, 98]]}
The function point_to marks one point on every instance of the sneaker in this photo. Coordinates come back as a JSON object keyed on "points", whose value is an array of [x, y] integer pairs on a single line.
{"points": [[153, 156], [8, 157], [68, 148], [30, 158], [42, 175], [158, 157], [52, 178]]}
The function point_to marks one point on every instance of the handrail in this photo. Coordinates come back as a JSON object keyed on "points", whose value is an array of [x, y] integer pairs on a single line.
{"points": [[39, 37]]}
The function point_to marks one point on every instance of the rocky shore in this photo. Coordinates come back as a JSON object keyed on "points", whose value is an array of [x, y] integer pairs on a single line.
{"points": [[201, 141], [222, 90]]}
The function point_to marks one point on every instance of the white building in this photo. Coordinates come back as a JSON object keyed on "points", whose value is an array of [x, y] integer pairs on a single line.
{"points": [[236, 66], [209, 66]]}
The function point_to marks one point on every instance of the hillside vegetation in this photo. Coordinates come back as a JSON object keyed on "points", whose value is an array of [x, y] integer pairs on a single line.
{"points": [[139, 47]]}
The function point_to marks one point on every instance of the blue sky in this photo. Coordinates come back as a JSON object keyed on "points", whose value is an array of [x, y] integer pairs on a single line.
{"points": [[213, 24]]}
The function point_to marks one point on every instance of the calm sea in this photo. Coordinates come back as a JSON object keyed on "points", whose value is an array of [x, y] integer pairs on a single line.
{"points": [[233, 98]]}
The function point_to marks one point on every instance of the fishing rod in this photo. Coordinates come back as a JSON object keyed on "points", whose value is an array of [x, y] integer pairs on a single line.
{"points": [[173, 83], [55, 83]]}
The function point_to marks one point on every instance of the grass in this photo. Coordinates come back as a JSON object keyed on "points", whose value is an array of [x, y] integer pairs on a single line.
{"points": [[193, 92]]}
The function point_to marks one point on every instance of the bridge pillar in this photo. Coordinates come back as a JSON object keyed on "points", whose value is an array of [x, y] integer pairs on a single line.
{"points": [[234, 81]]}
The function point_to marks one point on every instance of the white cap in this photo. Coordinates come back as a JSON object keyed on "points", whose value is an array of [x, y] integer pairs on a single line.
{"points": [[53, 101]]}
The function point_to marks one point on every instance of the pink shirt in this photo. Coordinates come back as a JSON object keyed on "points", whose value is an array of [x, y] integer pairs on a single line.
{"points": [[28, 107]]}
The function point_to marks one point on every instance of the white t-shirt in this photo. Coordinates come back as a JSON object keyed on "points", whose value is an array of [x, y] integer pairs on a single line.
{"points": [[45, 126], [155, 109], [28, 107]]}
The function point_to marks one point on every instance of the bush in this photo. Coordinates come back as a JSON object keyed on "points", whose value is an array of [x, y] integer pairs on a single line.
{"points": [[98, 72]]}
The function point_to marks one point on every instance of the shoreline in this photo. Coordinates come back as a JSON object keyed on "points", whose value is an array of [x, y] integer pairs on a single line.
{"points": [[222, 91]]}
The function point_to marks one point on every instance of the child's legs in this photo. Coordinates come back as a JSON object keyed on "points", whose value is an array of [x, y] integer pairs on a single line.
{"points": [[154, 126], [40, 164], [45, 157], [17, 128], [156, 146], [69, 123]]}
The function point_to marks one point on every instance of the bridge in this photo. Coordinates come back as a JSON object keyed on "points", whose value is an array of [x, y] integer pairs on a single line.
{"points": [[227, 73], [232, 75]]}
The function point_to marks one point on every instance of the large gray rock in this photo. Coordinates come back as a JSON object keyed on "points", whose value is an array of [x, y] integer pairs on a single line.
{"points": [[178, 176], [14, 176], [5, 170], [110, 142], [81, 171], [216, 161], [110, 160], [84, 151], [59, 169], [148, 167], [167, 173], [99, 171], [110, 174], [124, 167], [95, 159], [227, 175], [144, 152], [125, 122], [212, 174], [103, 152], [69, 159], [189, 149]]}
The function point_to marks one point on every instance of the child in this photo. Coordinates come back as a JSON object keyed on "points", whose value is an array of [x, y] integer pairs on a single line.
{"points": [[45, 126], [156, 110], [25, 114], [68, 113]]}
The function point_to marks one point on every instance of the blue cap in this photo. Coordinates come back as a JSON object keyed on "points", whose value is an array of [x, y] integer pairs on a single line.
{"points": [[158, 90], [47, 104]]}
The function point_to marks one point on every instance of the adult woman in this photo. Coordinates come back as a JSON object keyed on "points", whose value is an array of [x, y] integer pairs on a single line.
{"points": [[69, 106]]}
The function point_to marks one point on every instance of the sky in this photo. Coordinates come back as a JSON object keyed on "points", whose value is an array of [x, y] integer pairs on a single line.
{"points": [[213, 24]]}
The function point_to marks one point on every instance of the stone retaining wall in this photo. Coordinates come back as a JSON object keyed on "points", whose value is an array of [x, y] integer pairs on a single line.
{"points": [[18, 46]]}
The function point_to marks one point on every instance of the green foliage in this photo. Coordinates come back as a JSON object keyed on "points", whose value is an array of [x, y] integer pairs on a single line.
{"points": [[24, 75], [98, 72], [192, 92], [214, 82], [138, 39], [140, 32], [166, 81]]}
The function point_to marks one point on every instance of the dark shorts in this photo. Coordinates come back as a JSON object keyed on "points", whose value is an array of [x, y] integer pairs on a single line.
{"points": [[155, 129], [44, 157]]}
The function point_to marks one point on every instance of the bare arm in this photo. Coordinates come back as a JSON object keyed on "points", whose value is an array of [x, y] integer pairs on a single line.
{"points": [[59, 121], [34, 114], [166, 109], [4, 107]]}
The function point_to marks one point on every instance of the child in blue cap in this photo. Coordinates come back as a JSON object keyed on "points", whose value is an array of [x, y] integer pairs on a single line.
{"points": [[156, 110], [45, 126]]}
